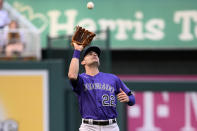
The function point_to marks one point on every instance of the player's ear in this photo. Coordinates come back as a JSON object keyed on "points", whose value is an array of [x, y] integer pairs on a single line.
{"points": [[82, 62]]}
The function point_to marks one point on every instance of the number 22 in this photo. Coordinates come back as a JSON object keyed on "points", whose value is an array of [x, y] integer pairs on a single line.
{"points": [[108, 100]]}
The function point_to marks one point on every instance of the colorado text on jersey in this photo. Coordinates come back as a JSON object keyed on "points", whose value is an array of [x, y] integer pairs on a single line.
{"points": [[101, 86]]}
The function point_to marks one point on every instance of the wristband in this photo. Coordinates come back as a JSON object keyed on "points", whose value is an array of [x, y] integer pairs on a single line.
{"points": [[76, 54], [131, 100]]}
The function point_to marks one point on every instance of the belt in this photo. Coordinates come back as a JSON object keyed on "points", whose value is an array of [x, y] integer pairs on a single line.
{"points": [[99, 122]]}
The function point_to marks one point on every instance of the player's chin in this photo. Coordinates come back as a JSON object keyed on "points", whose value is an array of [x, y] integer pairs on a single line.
{"points": [[93, 65], [96, 63]]}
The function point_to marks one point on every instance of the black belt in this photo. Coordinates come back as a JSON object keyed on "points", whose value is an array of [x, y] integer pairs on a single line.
{"points": [[101, 123]]}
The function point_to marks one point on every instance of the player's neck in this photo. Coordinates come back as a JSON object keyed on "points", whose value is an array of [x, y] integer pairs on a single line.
{"points": [[92, 71]]}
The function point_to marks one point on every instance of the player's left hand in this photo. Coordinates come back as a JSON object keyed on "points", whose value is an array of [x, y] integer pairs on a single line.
{"points": [[122, 96]]}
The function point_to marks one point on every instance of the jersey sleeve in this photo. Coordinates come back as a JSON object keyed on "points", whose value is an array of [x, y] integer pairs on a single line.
{"points": [[77, 84], [121, 85]]}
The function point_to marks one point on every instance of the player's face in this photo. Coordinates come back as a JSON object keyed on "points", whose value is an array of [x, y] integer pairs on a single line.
{"points": [[91, 59]]}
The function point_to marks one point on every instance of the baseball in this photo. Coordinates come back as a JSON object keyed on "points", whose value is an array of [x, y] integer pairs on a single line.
{"points": [[90, 5]]}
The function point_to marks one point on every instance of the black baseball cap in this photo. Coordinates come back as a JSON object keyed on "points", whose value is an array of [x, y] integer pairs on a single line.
{"points": [[91, 48]]}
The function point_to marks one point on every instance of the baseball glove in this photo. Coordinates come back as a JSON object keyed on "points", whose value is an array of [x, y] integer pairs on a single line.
{"points": [[82, 36]]}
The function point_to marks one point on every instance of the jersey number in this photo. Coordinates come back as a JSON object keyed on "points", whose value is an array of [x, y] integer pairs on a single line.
{"points": [[108, 100]]}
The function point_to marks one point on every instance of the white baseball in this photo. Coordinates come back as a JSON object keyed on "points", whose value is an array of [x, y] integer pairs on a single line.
{"points": [[90, 5]]}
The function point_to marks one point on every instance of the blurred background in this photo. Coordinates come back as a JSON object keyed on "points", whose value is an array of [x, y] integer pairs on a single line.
{"points": [[151, 45]]}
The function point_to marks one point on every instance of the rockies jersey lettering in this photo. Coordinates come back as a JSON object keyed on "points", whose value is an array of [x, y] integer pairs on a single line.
{"points": [[97, 95], [100, 86]]}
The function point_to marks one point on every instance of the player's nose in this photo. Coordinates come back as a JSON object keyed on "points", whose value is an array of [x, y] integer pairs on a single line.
{"points": [[95, 54]]}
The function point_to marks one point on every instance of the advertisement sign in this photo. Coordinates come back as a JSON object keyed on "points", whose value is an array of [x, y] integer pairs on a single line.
{"points": [[24, 100], [133, 24], [163, 111]]}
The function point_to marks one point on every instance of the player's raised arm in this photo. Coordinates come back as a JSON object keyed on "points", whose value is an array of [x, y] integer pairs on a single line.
{"points": [[74, 64], [80, 39]]}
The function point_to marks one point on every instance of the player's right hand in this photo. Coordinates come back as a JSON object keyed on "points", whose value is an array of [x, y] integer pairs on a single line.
{"points": [[78, 47]]}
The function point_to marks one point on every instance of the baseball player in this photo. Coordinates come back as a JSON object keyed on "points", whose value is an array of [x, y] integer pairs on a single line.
{"points": [[97, 91]]}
